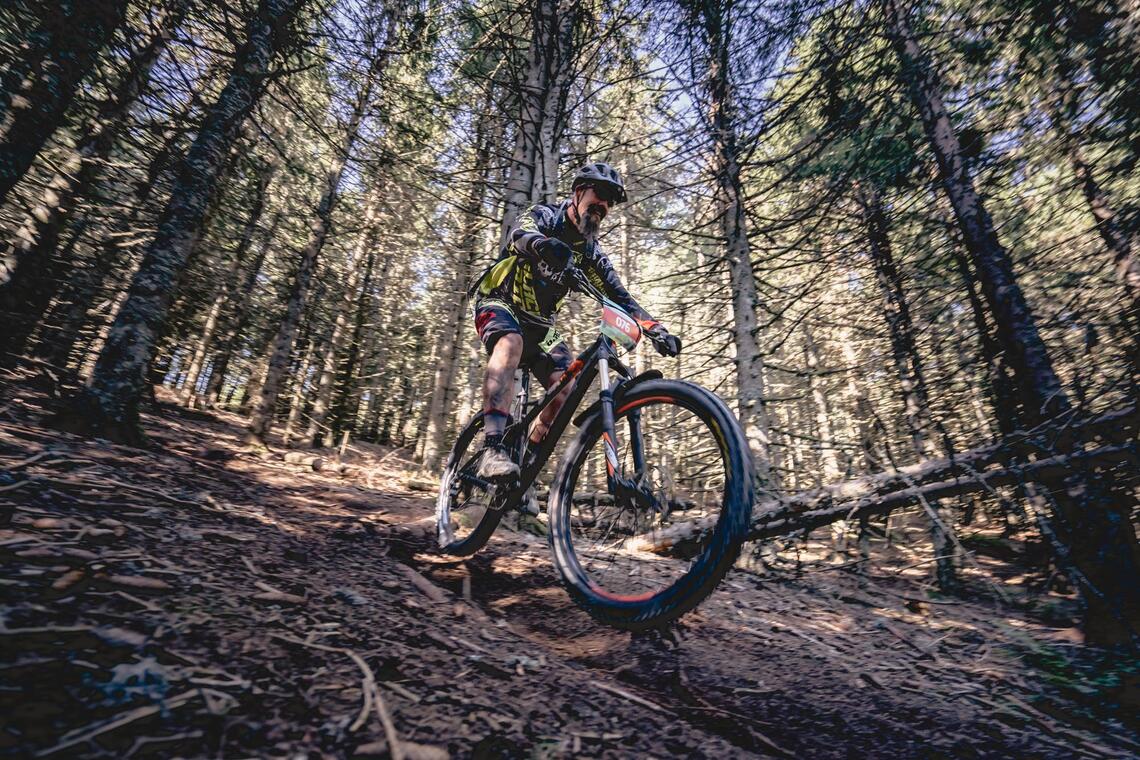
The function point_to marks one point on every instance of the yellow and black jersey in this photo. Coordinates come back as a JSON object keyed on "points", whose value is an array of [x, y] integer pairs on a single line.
{"points": [[535, 290]]}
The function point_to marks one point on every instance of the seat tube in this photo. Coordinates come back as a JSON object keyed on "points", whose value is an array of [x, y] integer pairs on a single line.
{"points": [[522, 397], [608, 438]]}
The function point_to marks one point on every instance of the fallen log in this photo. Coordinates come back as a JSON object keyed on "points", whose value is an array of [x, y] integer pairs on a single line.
{"points": [[777, 516], [790, 517], [604, 499], [1113, 428], [305, 459]]}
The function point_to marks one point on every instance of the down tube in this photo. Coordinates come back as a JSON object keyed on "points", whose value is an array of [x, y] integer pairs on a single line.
{"points": [[582, 382]]}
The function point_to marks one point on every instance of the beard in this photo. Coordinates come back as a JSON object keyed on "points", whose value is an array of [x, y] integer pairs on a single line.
{"points": [[591, 221]]}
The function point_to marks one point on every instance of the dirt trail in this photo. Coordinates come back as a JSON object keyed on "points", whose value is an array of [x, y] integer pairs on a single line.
{"points": [[195, 600]]}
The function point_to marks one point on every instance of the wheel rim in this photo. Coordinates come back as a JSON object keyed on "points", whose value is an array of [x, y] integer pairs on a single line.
{"points": [[609, 540]]}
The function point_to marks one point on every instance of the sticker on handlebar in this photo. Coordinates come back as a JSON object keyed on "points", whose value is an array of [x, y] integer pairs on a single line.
{"points": [[620, 327]]}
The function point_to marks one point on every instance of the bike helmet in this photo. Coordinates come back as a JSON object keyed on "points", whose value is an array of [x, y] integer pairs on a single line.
{"points": [[600, 174]]}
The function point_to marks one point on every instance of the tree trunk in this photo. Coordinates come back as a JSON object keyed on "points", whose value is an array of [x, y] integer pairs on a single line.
{"points": [[297, 402], [346, 400], [733, 226], [34, 45], [261, 421], [378, 337], [829, 471], [1039, 386], [331, 355], [238, 319], [258, 371], [455, 325], [868, 428], [999, 384], [1092, 523], [374, 335], [861, 497], [35, 270], [110, 406], [74, 31], [1120, 245], [112, 255], [225, 293], [533, 175]]}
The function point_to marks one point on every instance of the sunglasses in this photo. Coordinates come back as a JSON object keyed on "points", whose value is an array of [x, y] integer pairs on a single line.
{"points": [[606, 193]]}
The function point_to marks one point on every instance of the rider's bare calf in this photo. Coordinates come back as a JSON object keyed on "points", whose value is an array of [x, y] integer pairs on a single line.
{"points": [[499, 381]]}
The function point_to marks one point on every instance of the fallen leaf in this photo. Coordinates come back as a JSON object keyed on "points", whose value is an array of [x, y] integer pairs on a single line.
{"points": [[279, 597], [414, 751], [67, 580], [139, 582], [371, 749]]}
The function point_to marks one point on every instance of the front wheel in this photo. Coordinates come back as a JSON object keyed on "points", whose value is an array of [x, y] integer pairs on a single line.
{"points": [[652, 553]]}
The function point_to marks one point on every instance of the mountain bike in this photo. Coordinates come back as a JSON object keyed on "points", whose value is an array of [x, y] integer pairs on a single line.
{"points": [[649, 452]]}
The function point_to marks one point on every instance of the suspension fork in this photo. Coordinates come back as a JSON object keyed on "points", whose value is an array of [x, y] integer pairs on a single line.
{"points": [[618, 485], [637, 445], [609, 440], [627, 491]]}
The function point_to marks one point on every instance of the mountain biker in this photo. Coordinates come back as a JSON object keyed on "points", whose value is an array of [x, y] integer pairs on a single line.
{"points": [[518, 297]]}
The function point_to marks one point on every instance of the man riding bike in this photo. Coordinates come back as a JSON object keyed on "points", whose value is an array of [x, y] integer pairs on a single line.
{"points": [[518, 297]]}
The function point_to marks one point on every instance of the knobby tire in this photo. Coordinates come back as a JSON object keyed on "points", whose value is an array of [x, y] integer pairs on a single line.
{"points": [[722, 546]]}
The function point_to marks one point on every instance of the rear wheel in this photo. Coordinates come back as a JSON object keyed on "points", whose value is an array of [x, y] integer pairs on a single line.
{"points": [[465, 512], [648, 556]]}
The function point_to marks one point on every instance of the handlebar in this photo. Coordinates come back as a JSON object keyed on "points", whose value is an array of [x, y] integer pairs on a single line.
{"points": [[584, 286]]}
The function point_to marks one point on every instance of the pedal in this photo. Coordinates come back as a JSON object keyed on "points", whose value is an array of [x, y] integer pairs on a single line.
{"points": [[528, 504], [506, 490]]}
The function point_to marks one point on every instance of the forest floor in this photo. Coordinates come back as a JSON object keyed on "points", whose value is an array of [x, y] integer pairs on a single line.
{"points": [[199, 600]]}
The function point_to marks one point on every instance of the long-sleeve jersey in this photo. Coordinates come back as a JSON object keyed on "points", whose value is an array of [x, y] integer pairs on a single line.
{"points": [[526, 282]]}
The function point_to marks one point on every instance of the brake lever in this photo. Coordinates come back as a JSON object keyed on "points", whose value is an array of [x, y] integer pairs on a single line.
{"points": [[581, 284], [576, 275]]}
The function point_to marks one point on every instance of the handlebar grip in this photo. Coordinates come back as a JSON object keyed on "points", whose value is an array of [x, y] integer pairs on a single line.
{"points": [[666, 344]]}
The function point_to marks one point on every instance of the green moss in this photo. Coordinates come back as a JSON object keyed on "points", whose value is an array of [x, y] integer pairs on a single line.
{"points": [[1099, 683]]}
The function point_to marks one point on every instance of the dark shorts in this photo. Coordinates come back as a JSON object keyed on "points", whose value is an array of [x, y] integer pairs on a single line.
{"points": [[544, 350]]}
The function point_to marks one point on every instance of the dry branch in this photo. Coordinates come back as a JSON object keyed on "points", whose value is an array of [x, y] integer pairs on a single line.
{"points": [[373, 699], [86, 734]]}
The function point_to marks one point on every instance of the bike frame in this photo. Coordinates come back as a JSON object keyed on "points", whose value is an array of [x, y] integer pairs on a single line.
{"points": [[593, 363]]}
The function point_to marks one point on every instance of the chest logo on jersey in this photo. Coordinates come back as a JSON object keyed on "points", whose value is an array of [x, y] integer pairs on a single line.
{"points": [[548, 273]]}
